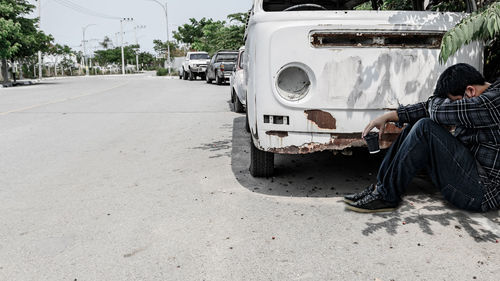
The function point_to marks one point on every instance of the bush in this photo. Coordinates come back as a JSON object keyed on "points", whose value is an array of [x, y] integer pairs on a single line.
{"points": [[162, 72]]}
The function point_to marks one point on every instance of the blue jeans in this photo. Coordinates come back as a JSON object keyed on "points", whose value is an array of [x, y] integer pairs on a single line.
{"points": [[451, 166]]}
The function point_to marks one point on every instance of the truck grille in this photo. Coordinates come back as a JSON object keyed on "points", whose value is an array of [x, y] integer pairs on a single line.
{"points": [[361, 39]]}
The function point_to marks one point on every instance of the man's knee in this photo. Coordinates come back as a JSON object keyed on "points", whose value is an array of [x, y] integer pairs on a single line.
{"points": [[424, 123]]}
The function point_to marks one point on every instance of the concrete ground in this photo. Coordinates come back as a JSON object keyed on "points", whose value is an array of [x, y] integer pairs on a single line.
{"points": [[146, 178]]}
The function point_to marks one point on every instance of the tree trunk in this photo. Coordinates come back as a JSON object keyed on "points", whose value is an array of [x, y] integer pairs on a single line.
{"points": [[5, 73]]}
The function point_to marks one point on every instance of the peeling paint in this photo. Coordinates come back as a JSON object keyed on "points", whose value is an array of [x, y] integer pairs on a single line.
{"points": [[322, 119]]}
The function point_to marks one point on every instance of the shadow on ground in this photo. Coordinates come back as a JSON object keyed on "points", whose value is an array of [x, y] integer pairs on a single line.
{"points": [[324, 175], [321, 174]]}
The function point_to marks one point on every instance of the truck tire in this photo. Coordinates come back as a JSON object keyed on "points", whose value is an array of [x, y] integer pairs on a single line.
{"points": [[247, 125], [261, 162], [218, 81], [237, 105], [191, 76], [184, 75]]}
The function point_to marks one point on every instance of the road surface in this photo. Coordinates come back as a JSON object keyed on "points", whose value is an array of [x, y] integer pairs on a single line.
{"points": [[146, 178]]}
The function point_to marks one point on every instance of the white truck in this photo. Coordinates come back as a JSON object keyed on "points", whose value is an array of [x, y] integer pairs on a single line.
{"points": [[195, 65], [318, 71]]}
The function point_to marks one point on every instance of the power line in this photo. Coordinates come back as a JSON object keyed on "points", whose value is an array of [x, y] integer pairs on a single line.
{"points": [[83, 10]]}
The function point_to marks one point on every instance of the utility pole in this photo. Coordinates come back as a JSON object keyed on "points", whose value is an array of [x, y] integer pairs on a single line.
{"points": [[121, 33], [85, 49], [137, 43], [165, 9], [40, 27]]}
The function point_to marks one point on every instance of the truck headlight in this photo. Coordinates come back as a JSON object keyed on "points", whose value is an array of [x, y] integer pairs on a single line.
{"points": [[293, 83]]}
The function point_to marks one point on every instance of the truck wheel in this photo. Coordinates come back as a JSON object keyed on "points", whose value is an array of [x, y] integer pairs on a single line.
{"points": [[185, 75], [218, 81], [191, 76], [247, 125], [261, 162], [237, 105]]}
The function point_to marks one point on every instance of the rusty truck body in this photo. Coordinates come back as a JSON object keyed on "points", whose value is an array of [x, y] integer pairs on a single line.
{"points": [[318, 72]]}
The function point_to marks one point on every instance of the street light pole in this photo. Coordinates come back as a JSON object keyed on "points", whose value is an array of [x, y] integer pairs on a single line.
{"points": [[165, 8], [40, 27], [168, 40]]}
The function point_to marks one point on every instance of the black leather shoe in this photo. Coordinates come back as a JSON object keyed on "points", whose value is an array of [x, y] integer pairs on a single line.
{"points": [[372, 203], [351, 198]]}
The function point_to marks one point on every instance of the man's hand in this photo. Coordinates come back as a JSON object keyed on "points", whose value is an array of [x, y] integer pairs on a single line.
{"points": [[380, 122]]}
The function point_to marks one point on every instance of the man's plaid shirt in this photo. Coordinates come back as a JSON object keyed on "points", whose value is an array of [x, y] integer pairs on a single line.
{"points": [[477, 122]]}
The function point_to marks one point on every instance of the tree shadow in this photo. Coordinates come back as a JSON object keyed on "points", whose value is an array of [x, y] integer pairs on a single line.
{"points": [[423, 211]]}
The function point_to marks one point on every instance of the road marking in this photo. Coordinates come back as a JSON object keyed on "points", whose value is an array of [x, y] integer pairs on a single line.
{"points": [[60, 100]]}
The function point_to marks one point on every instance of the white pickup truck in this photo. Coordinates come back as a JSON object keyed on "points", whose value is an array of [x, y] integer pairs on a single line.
{"points": [[195, 65]]}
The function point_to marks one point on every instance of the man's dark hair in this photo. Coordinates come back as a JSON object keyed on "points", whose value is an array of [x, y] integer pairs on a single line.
{"points": [[455, 80]]}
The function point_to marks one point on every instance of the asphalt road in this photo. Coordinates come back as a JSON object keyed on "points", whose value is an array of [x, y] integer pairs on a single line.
{"points": [[146, 178]]}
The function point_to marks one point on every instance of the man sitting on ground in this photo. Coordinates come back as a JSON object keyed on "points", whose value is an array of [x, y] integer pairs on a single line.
{"points": [[464, 166]]}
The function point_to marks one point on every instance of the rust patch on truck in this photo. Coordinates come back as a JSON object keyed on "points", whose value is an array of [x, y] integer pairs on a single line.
{"points": [[341, 141], [279, 134], [322, 119]]}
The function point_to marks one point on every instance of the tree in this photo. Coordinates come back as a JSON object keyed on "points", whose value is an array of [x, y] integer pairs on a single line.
{"points": [[19, 37], [160, 48], [114, 56], [210, 36], [483, 25], [210, 40], [106, 43], [190, 32], [147, 60]]}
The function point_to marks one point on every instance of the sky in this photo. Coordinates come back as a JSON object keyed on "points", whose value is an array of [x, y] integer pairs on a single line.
{"points": [[66, 24]]}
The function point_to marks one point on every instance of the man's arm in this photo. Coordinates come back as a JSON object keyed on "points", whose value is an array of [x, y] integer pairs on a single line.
{"points": [[478, 112], [404, 114], [380, 122]]}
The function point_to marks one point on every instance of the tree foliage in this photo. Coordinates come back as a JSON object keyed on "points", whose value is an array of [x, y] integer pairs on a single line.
{"points": [[210, 35], [483, 25], [161, 49], [114, 55], [189, 33], [106, 43], [19, 36]]}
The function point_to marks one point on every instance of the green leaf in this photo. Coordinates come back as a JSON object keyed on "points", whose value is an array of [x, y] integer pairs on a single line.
{"points": [[491, 26], [478, 26], [469, 29], [460, 34]]}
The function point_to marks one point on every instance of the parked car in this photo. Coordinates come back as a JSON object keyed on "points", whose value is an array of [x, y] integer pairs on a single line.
{"points": [[318, 71], [221, 66], [195, 65], [237, 84]]}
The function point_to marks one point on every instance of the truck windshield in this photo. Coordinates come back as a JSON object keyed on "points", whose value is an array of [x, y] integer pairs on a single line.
{"points": [[399, 5], [199, 57], [227, 57]]}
